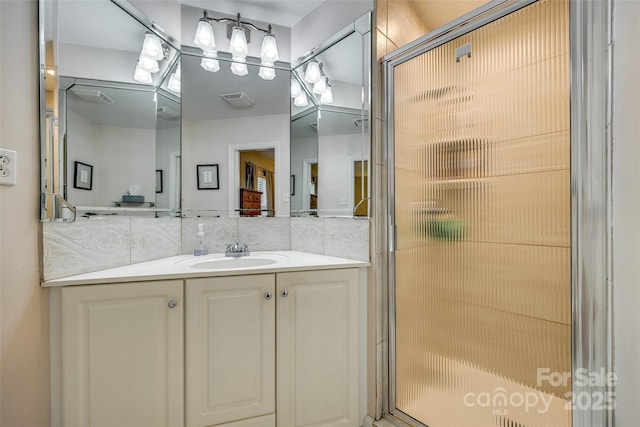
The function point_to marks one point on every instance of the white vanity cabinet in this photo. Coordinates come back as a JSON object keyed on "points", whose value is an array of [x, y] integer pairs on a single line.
{"points": [[318, 370], [252, 350], [230, 339], [122, 355]]}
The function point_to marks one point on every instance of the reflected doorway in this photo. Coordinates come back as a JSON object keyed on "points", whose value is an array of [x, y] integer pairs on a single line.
{"points": [[257, 182]]}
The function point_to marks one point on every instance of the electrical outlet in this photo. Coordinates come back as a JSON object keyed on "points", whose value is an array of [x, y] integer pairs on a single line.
{"points": [[342, 201], [8, 167], [286, 197]]}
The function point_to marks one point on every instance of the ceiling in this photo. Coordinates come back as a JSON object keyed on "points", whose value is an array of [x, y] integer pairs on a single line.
{"points": [[436, 13], [278, 12], [330, 123], [201, 98]]}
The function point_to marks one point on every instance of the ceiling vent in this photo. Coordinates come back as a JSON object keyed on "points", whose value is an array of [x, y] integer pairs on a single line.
{"points": [[314, 125], [167, 113], [92, 95], [238, 100], [358, 122]]}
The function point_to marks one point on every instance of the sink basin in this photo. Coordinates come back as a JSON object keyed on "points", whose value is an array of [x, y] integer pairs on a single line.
{"points": [[233, 263], [219, 261]]}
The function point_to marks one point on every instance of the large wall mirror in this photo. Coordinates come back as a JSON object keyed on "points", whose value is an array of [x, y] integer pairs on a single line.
{"points": [[330, 136], [183, 135], [111, 106]]}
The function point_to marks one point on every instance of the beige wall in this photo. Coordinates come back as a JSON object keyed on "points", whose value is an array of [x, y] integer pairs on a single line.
{"points": [[24, 306]]}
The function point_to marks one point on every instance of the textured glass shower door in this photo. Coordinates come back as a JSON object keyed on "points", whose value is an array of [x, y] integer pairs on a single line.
{"points": [[481, 130]]}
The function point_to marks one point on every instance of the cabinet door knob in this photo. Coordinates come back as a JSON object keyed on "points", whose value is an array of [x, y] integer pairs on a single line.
{"points": [[284, 293], [268, 295], [172, 303]]}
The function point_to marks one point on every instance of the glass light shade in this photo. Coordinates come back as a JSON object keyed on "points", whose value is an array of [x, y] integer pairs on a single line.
{"points": [[178, 72], [174, 83], [148, 64], [267, 72], [238, 43], [210, 53], [152, 47], [320, 86], [300, 100], [142, 76], [327, 96], [269, 52], [204, 38], [312, 74], [210, 64], [239, 67], [296, 90]]}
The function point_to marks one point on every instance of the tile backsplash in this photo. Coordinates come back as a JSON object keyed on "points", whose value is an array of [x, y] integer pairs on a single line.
{"points": [[99, 243]]}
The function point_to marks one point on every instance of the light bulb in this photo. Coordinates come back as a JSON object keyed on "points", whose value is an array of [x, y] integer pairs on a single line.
{"points": [[141, 75], [238, 43], [295, 88], [320, 86], [204, 38], [312, 73], [174, 83], [327, 96], [239, 67], [210, 64], [300, 100], [148, 64], [267, 72], [269, 52], [152, 47]]}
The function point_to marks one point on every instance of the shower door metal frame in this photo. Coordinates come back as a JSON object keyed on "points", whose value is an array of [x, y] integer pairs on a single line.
{"points": [[590, 38]]}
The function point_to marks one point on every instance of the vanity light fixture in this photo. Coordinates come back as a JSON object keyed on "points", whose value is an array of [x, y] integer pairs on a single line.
{"points": [[327, 95], [320, 86], [312, 73], [210, 61], [152, 52], [239, 34]]}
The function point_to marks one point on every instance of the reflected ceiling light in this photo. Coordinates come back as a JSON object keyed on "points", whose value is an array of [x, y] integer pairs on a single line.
{"points": [[151, 53], [327, 96], [267, 72], [239, 34], [295, 88], [148, 64], [300, 100], [141, 75], [312, 74], [174, 84], [210, 62], [239, 66], [320, 86], [152, 47]]}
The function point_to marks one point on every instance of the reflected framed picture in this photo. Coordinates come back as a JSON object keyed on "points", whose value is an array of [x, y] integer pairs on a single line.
{"points": [[83, 176], [159, 181], [208, 178], [292, 185]]}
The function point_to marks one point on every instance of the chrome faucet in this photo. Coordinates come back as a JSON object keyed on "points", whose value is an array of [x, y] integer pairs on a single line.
{"points": [[237, 249]]}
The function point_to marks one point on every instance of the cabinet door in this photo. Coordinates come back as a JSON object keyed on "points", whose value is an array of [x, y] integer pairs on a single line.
{"points": [[122, 355], [318, 348], [230, 348]]}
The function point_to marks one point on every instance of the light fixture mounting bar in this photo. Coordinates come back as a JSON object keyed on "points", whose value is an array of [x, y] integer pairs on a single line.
{"points": [[238, 22]]}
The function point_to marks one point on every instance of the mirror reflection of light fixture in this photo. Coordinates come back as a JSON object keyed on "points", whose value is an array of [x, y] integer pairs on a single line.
{"points": [[327, 95], [152, 47], [174, 84], [210, 61], [320, 86], [239, 67], [300, 100], [152, 52], [295, 88], [239, 33], [312, 74], [266, 72]]}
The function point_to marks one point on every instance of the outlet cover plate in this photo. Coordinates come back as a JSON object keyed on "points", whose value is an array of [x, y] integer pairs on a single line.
{"points": [[8, 167]]}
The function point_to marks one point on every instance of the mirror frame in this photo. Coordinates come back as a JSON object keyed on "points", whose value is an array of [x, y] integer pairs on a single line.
{"points": [[55, 199]]}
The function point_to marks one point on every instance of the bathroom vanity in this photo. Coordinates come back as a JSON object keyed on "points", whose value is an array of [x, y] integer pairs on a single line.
{"points": [[266, 340]]}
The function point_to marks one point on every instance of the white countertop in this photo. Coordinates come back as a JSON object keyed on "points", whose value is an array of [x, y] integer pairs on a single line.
{"points": [[180, 267]]}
